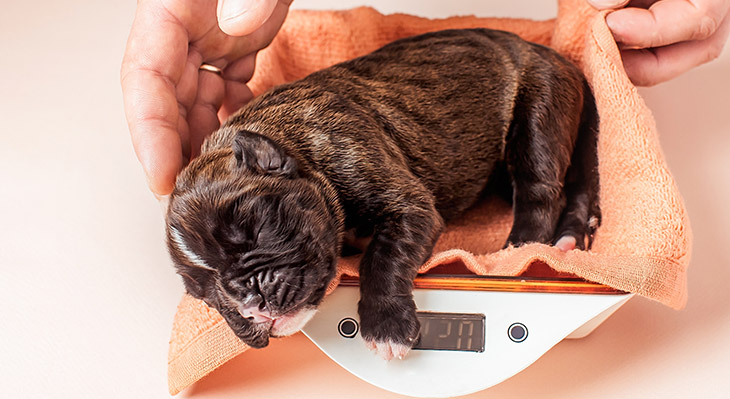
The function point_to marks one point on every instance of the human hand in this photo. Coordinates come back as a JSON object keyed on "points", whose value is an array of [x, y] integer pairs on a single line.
{"points": [[661, 39], [171, 105]]}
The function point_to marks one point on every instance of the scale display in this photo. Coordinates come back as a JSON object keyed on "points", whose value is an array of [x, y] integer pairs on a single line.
{"points": [[463, 332]]}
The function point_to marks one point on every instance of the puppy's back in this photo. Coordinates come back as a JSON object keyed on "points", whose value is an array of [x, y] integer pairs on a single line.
{"points": [[439, 105]]}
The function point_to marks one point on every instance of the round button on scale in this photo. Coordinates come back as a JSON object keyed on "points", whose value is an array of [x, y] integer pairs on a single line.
{"points": [[517, 332], [348, 327]]}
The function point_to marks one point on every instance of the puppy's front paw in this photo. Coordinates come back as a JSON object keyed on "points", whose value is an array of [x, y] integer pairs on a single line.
{"points": [[388, 349], [389, 326]]}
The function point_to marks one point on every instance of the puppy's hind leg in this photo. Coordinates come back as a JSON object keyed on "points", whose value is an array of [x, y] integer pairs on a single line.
{"points": [[582, 214], [537, 154]]}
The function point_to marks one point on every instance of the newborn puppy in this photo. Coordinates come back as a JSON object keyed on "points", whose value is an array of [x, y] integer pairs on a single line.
{"points": [[391, 144]]}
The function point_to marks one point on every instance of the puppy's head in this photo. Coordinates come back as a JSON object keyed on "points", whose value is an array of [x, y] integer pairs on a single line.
{"points": [[253, 237]]}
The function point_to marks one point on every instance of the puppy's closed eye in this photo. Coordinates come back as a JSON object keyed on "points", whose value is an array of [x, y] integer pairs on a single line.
{"points": [[232, 232]]}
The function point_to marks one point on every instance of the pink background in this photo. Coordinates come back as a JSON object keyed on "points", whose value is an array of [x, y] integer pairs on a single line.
{"points": [[88, 292]]}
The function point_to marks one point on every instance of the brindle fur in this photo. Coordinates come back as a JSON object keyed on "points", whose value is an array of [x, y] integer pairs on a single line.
{"points": [[392, 144]]}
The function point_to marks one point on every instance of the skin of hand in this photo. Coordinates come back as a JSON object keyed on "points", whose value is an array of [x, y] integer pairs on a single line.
{"points": [[661, 39], [170, 104]]}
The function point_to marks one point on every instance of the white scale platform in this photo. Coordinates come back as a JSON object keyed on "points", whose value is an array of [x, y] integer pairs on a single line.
{"points": [[519, 328]]}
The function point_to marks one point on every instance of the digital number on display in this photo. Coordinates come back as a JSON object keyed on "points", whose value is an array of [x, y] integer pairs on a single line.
{"points": [[451, 332]]}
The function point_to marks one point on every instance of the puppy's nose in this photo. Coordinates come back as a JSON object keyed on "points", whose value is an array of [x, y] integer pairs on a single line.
{"points": [[258, 314]]}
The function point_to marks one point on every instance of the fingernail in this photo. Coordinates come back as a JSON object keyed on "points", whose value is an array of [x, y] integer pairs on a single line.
{"points": [[232, 9], [611, 21], [242, 17], [616, 26], [604, 4]]}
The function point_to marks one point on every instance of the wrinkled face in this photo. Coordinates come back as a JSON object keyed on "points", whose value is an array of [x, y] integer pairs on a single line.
{"points": [[255, 241]]}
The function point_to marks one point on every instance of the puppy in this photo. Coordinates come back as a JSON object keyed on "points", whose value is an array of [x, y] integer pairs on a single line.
{"points": [[391, 144]]}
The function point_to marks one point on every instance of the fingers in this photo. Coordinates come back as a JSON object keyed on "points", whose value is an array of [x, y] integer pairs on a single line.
{"points": [[203, 116], [152, 117], [666, 22], [661, 39], [170, 105], [242, 56], [648, 67], [242, 17], [237, 93], [149, 72], [262, 36]]}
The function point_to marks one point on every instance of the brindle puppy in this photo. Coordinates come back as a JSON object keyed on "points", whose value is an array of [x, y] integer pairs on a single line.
{"points": [[391, 144]]}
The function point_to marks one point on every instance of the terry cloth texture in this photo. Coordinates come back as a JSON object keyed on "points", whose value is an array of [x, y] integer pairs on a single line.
{"points": [[643, 245]]}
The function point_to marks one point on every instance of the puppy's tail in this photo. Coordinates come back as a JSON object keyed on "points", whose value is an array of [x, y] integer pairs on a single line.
{"points": [[582, 214]]}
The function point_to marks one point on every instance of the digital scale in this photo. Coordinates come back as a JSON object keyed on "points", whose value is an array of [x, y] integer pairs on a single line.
{"points": [[476, 331]]}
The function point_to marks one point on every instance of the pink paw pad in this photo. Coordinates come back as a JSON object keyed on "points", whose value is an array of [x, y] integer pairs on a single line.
{"points": [[388, 349], [566, 243]]}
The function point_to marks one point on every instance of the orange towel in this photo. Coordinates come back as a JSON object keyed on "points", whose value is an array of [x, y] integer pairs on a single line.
{"points": [[643, 245]]}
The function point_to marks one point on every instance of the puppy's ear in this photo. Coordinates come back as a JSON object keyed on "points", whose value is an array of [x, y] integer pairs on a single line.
{"points": [[192, 285], [260, 154]]}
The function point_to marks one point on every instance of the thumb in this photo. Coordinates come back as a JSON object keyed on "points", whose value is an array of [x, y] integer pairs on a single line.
{"points": [[242, 17], [607, 4]]}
